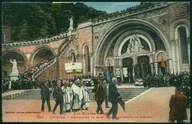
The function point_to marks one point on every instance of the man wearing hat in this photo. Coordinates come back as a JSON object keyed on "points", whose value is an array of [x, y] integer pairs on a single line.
{"points": [[178, 105], [58, 97], [114, 97], [45, 95]]}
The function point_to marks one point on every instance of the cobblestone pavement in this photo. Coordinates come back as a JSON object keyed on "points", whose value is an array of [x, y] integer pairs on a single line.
{"points": [[149, 106]]}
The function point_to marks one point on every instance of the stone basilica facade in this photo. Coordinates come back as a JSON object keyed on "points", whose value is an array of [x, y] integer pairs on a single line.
{"points": [[126, 43]]}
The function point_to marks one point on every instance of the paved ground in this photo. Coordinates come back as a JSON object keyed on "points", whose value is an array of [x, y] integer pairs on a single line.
{"points": [[150, 106]]}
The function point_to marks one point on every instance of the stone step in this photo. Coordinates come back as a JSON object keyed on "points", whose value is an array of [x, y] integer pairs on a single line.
{"points": [[126, 94]]}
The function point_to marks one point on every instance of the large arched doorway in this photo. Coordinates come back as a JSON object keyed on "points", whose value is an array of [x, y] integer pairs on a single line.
{"points": [[146, 39]]}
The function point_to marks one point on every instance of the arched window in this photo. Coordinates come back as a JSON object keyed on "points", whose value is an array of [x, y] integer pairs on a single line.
{"points": [[183, 43], [88, 58], [73, 58]]}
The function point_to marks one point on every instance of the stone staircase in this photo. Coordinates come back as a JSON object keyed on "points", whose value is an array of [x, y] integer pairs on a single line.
{"points": [[126, 94], [68, 42]]}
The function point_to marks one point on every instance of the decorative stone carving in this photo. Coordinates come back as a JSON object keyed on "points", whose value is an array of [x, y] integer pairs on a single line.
{"points": [[96, 35], [155, 13], [163, 20], [135, 45]]}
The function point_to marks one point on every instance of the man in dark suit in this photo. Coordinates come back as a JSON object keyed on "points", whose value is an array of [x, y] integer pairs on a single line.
{"points": [[178, 105], [114, 97], [45, 95], [100, 94], [58, 97]]}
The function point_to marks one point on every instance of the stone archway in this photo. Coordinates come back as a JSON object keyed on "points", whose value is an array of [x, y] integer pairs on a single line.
{"points": [[110, 42], [42, 55], [40, 58], [42, 52]]}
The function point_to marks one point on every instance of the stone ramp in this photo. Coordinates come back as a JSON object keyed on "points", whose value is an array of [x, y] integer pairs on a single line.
{"points": [[31, 94], [151, 106], [13, 93], [126, 94]]}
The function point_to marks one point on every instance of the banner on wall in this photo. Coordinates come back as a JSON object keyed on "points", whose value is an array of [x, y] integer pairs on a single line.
{"points": [[73, 67]]}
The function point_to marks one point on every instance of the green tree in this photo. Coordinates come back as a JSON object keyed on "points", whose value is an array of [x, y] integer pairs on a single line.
{"points": [[21, 32], [29, 21]]}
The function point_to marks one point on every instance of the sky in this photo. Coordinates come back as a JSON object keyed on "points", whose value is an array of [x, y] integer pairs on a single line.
{"points": [[111, 6]]}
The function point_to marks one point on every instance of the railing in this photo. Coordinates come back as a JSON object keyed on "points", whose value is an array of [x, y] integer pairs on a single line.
{"points": [[69, 41], [36, 42]]}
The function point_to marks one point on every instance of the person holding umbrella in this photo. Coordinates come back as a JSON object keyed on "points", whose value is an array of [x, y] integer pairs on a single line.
{"points": [[114, 98]]}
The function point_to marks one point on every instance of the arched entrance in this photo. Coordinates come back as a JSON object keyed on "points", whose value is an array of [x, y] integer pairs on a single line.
{"points": [[41, 59], [135, 51], [135, 41], [42, 56]]}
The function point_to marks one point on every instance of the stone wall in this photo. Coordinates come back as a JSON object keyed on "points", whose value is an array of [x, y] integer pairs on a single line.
{"points": [[165, 17]]}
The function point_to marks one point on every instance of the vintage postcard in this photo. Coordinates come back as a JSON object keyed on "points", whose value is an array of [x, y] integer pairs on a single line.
{"points": [[96, 62]]}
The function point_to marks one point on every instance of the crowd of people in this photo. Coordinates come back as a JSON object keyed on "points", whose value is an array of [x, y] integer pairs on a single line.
{"points": [[25, 80], [73, 95], [70, 95], [166, 80]]}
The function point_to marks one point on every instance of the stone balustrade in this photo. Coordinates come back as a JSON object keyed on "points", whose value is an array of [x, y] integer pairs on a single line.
{"points": [[37, 42]]}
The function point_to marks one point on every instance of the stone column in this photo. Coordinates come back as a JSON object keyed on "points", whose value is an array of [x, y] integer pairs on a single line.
{"points": [[188, 44], [171, 65], [173, 56], [91, 63], [156, 67], [83, 63], [151, 63], [121, 68], [177, 56], [134, 63]]}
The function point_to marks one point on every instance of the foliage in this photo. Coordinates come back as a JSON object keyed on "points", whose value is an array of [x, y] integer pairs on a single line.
{"points": [[29, 21]]}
